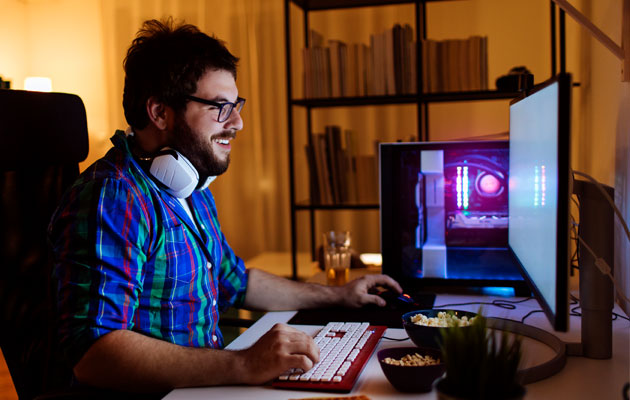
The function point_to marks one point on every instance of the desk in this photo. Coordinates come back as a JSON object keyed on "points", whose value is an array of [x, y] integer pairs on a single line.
{"points": [[581, 378]]}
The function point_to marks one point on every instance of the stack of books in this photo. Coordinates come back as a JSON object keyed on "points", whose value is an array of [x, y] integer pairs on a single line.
{"points": [[389, 65], [455, 65], [338, 173]]}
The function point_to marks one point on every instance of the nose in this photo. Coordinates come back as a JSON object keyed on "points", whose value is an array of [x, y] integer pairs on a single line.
{"points": [[235, 121]]}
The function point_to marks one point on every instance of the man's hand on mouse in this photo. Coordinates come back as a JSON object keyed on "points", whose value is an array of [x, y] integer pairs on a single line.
{"points": [[356, 293], [276, 352]]}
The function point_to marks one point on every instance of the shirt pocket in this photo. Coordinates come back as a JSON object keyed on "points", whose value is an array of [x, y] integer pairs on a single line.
{"points": [[180, 256]]}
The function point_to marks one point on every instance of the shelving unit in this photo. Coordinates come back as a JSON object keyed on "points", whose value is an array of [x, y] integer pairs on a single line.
{"points": [[421, 100]]}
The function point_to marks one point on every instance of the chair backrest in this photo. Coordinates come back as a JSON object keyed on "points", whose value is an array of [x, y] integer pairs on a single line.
{"points": [[43, 137]]}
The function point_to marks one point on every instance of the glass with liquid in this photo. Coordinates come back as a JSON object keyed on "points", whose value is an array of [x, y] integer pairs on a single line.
{"points": [[337, 257]]}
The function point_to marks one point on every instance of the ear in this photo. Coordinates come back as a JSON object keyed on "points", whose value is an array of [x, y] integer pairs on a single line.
{"points": [[159, 113]]}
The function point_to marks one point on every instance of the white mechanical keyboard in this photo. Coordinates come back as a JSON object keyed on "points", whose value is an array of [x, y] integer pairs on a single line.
{"points": [[344, 349]]}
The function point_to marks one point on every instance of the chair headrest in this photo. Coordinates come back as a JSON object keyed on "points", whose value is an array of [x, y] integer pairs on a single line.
{"points": [[41, 128]]}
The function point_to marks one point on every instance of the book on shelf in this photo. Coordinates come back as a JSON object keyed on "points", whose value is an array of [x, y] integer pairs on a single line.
{"points": [[319, 165], [315, 185], [408, 50], [398, 58], [352, 72], [338, 173], [455, 65], [335, 67], [335, 162], [389, 57]]}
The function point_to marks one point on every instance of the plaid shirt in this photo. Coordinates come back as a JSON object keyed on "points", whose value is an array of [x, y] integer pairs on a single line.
{"points": [[128, 256]]}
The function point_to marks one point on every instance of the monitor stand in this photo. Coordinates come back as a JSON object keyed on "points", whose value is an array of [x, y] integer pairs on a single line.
{"points": [[596, 291]]}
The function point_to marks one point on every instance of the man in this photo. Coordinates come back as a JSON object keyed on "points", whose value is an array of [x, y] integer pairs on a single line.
{"points": [[143, 267]]}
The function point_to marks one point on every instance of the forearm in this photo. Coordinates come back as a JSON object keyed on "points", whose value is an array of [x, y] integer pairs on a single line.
{"points": [[128, 361], [272, 293]]}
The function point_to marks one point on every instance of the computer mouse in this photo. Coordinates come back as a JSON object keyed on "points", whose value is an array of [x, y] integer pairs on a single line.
{"points": [[403, 301]]}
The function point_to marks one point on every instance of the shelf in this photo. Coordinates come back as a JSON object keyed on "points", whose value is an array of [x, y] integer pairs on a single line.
{"points": [[404, 99], [315, 5], [308, 206], [469, 96], [356, 101]]}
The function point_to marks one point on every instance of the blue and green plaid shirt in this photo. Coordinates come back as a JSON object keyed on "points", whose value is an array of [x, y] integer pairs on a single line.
{"points": [[128, 256]]}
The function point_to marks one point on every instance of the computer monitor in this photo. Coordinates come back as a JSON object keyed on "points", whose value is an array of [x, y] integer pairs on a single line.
{"points": [[539, 193], [444, 215]]}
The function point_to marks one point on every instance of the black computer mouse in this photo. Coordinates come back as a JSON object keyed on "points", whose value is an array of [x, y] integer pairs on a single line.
{"points": [[404, 301]]}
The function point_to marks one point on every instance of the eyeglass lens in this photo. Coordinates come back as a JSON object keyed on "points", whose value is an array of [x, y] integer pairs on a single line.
{"points": [[226, 109]]}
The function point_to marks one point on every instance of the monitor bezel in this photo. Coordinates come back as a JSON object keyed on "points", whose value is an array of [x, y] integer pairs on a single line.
{"points": [[560, 319]]}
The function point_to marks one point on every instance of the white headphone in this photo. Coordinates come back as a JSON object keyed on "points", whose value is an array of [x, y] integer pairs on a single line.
{"points": [[175, 172]]}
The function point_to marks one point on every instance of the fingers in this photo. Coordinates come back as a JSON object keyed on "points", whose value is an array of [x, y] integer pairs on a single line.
{"points": [[280, 349], [357, 291], [383, 280], [374, 299]]}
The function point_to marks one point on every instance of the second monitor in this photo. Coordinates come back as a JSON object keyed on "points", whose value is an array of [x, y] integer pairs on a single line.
{"points": [[444, 214]]}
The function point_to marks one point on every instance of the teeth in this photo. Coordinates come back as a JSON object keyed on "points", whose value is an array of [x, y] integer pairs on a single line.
{"points": [[222, 141]]}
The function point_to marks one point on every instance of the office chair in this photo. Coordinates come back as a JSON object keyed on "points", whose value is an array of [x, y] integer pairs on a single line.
{"points": [[44, 136]]}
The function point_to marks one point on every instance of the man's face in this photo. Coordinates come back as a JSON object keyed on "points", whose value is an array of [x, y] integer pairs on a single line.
{"points": [[198, 135]]}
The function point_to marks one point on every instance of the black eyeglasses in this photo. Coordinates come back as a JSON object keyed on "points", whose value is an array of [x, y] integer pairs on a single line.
{"points": [[225, 109]]}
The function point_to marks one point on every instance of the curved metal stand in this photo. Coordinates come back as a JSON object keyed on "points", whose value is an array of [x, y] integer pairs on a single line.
{"points": [[542, 371]]}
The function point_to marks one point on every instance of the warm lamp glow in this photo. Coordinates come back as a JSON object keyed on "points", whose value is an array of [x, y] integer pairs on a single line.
{"points": [[38, 84], [371, 259]]}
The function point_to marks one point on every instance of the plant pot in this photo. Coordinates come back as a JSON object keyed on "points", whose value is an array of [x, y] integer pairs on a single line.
{"points": [[443, 393]]}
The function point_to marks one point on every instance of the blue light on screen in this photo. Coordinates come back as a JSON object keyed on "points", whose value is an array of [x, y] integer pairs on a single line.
{"points": [[533, 186]]}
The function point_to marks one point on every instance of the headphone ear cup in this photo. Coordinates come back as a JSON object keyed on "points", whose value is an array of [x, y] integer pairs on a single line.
{"points": [[174, 172]]}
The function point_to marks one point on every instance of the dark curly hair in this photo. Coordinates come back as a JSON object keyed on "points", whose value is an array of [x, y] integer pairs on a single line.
{"points": [[167, 61]]}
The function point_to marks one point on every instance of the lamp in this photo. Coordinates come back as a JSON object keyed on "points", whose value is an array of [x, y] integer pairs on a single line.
{"points": [[38, 84]]}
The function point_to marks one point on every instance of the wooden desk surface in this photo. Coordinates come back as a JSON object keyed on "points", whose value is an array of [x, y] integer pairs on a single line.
{"points": [[581, 378]]}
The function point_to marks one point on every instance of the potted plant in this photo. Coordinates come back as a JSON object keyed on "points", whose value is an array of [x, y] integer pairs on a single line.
{"points": [[480, 364]]}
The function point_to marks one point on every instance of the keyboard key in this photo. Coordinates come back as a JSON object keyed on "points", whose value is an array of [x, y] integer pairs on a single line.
{"points": [[344, 348]]}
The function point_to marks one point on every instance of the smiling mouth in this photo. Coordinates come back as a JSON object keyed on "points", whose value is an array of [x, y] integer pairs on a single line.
{"points": [[222, 141]]}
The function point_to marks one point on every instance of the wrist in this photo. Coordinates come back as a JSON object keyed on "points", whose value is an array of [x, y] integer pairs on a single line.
{"points": [[242, 372], [337, 295]]}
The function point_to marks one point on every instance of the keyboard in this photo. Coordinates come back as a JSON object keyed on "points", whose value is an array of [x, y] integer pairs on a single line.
{"points": [[344, 349]]}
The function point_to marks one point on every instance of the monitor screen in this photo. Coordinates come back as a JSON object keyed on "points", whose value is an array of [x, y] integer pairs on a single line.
{"points": [[444, 214], [539, 193]]}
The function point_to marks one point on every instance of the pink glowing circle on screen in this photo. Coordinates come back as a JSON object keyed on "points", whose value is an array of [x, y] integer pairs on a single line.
{"points": [[489, 184]]}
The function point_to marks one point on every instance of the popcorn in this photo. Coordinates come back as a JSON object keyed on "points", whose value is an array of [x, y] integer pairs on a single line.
{"points": [[412, 360], [442, 320]]}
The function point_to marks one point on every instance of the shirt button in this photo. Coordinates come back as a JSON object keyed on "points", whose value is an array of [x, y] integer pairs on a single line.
{"points": [[209, 265], [214, 302], [214, 338]]}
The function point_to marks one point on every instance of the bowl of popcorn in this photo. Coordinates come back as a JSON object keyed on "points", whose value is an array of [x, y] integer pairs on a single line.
{"points": [[411, 369], [424, 326]]}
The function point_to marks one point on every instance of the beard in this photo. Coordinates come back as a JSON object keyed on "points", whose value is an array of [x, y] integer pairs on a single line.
{"points": [[199, 151]]}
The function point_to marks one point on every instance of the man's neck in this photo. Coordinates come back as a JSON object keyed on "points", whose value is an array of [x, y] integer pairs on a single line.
{"points": [[148, 141]]}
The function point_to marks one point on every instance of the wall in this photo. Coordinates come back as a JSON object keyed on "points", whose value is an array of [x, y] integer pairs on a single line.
{"points": [[62, 40], [604, 148]]}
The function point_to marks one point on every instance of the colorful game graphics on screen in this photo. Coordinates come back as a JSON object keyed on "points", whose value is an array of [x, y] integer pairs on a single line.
{"points": [[476, 197], [444, 213]]}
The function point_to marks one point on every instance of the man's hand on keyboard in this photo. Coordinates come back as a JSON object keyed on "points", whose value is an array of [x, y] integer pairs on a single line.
{"points": [[356, 292], [280, 349]]}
